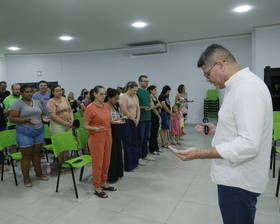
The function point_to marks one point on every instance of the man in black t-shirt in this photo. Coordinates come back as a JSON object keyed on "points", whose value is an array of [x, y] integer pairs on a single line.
{"points": [[3, 124], [3, 92]]}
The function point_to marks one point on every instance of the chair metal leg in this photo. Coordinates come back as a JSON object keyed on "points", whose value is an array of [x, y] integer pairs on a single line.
{"points": [[2, 174], [14, 172], [278, 183], [74, 182], [58, 177], [274, 161], [81, 173], [271, 157], [46, 153]]}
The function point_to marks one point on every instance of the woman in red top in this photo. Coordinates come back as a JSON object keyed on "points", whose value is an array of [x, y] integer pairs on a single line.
{"points": [[97, 120]]}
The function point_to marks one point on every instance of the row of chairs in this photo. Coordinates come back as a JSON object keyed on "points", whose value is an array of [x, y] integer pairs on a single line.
{"points": [[59, 143]]}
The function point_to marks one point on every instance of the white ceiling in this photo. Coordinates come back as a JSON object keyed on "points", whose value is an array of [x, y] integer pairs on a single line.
{"points": [[35, 25]]}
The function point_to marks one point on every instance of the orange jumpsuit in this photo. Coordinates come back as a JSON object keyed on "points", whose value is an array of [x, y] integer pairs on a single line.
{"points": [[100, 143]]}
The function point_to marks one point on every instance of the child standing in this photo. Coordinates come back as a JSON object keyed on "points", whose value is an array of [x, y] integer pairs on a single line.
{"points": [[182, 119], [175, 129]]}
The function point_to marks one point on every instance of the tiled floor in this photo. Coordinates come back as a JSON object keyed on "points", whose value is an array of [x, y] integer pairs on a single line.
{"points": [[164, 191]]}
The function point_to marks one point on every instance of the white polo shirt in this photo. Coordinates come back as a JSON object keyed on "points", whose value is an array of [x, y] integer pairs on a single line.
{"points": [[243, 134]]}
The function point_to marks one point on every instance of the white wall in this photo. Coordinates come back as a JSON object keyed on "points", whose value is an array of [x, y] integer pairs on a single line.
{"points": [[114, 68], [267, 47], [3, 76]]}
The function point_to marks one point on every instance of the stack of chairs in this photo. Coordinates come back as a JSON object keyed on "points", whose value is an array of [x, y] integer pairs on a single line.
{"points": [[211, 104]]}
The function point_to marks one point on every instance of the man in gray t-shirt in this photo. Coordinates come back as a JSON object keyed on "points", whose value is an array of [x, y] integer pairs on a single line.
{"points": [[43, 96]]}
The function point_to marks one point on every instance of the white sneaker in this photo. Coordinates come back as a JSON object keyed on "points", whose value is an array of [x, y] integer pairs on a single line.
{"points": [[141, 162], [149, 158], [160, 150], [155, 153]]}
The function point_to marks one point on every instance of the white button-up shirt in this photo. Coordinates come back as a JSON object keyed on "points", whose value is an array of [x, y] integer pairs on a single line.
{"points": [[244, 134]]}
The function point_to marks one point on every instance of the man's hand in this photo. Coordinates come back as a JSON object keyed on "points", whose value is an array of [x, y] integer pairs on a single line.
{"points": [[187, 154], [200, 128]]}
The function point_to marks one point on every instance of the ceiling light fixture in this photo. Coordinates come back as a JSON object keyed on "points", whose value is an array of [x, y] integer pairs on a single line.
{"points": [[13, 48], [139, 24], [243, 8], [66, 38]]}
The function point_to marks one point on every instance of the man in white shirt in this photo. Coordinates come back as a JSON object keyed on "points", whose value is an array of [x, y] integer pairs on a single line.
{"points": [[242, 141]]}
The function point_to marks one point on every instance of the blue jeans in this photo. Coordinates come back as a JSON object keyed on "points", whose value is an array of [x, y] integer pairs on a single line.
{"points": [[237, 205], [130, 147], [144, 131]]}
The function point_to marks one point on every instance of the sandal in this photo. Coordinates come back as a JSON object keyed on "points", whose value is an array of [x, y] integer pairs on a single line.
{"points": [[178, 143], [172, 143], [110, 188], [101, 194], [165, 145], [6, 169]]}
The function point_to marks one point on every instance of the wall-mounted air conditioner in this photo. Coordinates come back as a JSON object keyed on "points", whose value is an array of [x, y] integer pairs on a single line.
{"points": [[146, 49]]}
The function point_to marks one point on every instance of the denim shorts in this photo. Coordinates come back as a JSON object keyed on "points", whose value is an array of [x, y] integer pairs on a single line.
{"points": [[26, 137]]}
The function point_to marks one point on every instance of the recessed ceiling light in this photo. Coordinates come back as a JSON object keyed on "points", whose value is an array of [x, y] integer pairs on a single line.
{"points": [[243, 8], [13, 48], [139, 24], [66, 38]]}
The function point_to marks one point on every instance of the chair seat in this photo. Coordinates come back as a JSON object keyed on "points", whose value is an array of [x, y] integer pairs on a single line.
{"points": [[85, 160], [48, 147], [16, 156]]}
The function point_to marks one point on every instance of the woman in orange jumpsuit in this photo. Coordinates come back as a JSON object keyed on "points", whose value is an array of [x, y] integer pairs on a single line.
{"points": [[97, 120]]}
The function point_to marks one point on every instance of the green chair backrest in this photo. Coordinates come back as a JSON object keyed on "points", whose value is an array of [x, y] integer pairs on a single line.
{"points": [[82, 136], [77, 115], [63, 142], [212, 93], [276, 135], [81, 122], [7, 138], [47, 131]]}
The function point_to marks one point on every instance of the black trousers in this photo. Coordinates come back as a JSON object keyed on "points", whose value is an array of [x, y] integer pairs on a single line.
{"points": [[153, 144]]}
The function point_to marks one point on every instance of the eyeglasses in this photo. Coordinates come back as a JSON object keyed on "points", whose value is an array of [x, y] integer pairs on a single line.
{"points": [[102, 94], [206, 74]]}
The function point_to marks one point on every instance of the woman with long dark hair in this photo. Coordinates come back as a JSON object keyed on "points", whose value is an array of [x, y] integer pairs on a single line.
{"points": [[116, 165], [165, 114], [61, 117], [155, 120]]}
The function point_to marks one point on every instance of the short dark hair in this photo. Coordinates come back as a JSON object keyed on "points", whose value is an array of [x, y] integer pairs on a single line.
{"points": [[3, 82], [212, 54], [52, 90], [95, 90], [111, 93], [180, 88], [151, 87], [23, 87], [42, 81], [165, 89], [142, 76]]}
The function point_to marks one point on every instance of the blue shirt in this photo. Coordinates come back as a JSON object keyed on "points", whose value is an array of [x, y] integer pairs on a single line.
{"points": [[46, 97]]}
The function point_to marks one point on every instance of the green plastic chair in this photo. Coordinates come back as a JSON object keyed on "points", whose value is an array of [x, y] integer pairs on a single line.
{"points": [[64, 142], [47, 135], [275, 149], [77, 115], [8, 138], [212, 93], [83, 138]]}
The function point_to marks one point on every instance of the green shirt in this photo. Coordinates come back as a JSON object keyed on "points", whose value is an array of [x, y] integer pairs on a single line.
{"points": [[8, 102], [144, 101]]}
